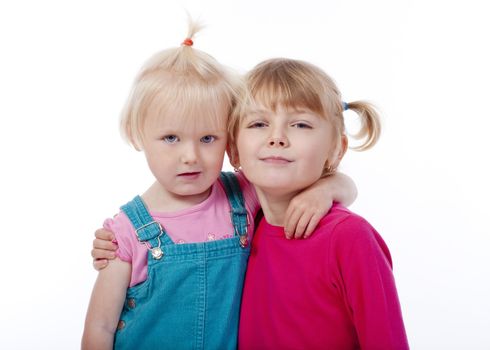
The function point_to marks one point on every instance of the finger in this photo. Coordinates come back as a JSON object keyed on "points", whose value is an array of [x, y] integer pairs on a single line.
{"points": [[286, 223], [289, 212], [315, 219], [293, 210], [102, 244], [104, 234], [302, 224], [291, 223], [100, 264], [102, 254]]}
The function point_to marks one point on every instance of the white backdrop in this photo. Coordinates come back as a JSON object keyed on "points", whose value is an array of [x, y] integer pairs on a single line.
{"points": [[65, 70]]}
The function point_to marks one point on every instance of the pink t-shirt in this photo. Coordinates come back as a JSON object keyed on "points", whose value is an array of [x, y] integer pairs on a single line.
{"points": [[334, 290], [206, 221]]}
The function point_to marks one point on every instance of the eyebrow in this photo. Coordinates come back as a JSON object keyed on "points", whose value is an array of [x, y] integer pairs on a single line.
{"points": [[302, 111], [177, 131], [293, 111], [258, 111]]}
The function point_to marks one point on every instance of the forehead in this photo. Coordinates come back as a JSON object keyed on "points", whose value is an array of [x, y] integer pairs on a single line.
{"points": [[258, 109], [189, 114]]}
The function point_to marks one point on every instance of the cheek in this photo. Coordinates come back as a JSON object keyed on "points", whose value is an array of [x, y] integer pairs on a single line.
{"points": [[157, 155], [244, 145], [158, 166], [215, 155], [317, 156], [156, 161]]}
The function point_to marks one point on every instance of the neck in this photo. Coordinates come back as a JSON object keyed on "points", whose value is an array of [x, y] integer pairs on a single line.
{"points": [[274, 205]]}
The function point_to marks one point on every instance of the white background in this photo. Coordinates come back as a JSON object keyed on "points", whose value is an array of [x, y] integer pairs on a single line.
{"points": [[65, 70]]}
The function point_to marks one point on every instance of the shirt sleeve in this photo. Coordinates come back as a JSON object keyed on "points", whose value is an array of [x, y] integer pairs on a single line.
{"points": [[365, 275], [129, 249], [122, 229]]}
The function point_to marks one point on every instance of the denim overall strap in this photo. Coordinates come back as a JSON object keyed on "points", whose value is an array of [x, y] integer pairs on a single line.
{"points": [[147, 230], [239, 214]]}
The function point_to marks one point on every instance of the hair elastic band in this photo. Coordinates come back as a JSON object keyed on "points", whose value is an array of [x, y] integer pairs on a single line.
{"points": [[345, 105], [188, 42]]}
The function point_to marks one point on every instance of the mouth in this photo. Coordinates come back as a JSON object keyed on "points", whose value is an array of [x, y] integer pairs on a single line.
{"points": [[189, 175], [276, 160]]}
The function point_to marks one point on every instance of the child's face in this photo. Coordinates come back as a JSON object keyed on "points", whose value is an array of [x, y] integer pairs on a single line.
{"points": [[285, 151], [185, 154]]}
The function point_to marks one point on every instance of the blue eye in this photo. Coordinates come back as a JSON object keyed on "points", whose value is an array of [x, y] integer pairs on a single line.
{"points": [[208, 139], [257, 125], [302, 126], [170, 139]]}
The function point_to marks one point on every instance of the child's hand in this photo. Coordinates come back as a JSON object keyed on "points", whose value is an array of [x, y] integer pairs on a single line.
{"points": [[103, 248], [308, 207], [304, 213]]}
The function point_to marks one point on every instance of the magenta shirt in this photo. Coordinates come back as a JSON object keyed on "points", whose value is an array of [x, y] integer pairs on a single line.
{"points": [[334, 290], [206, 221]]}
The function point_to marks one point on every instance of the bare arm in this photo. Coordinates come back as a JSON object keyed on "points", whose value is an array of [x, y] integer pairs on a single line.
{"points": [[308, 207], [105, 305]]}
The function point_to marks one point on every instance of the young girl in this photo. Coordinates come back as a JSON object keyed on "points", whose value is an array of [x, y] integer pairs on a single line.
{"points": [[183, 245], [338, 290]]}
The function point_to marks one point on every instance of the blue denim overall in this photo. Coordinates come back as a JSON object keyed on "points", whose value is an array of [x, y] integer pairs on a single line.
{"points": [[191, 298]]}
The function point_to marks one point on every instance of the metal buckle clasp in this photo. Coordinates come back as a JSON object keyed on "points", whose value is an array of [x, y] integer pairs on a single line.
{"points": [[243, 237], [157, 251]]}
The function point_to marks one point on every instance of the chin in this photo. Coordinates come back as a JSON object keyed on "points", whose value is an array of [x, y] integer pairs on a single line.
{"points": [[277, 187], [192, 191], [281, 186]]}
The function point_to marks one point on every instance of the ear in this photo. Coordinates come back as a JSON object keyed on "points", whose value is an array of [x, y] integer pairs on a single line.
{"points": [[136, 144], [232, 152], [344, 145]]}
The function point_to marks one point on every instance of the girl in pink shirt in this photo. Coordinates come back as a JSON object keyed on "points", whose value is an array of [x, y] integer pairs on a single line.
{"points": [[336, 289]]}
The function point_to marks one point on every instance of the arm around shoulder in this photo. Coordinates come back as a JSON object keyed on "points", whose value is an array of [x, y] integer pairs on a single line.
{"points": [[308, 207], [340, 187]]}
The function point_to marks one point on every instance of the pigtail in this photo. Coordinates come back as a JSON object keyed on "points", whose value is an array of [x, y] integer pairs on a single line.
{"points": [[370, 130]]}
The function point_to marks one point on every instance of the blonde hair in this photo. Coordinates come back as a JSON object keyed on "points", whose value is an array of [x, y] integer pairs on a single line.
{"points": [[297, 84], [179, 79]]}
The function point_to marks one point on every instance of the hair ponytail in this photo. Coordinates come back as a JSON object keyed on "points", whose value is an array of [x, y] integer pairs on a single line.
{"points": [[193, 28], [370, 130], [178, 82]]}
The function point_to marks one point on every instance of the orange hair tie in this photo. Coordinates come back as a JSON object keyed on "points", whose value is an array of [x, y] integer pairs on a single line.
{"points": [[188, 42]]}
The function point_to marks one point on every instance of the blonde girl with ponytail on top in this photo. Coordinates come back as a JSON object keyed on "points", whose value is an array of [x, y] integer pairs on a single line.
{"points": [[183, 245]]}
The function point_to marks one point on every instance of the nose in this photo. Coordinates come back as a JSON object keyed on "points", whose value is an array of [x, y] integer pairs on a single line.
{"points": [[277, 142], [189, 154], [278, 138]]}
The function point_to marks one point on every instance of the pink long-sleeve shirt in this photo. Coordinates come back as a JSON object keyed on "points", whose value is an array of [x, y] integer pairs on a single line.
{"points": [[334, 290]]}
